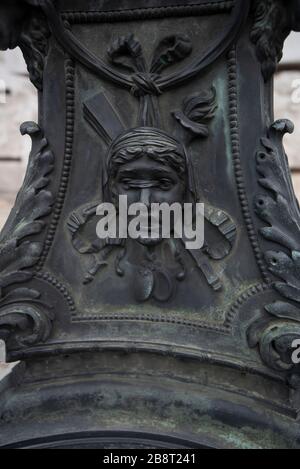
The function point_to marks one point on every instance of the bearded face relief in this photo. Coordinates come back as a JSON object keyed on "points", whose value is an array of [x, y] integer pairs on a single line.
{"points": [[149, 167]]}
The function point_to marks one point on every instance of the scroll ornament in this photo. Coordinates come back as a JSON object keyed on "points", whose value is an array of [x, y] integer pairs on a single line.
{"points": [[24, 317], [277, 328], [273, 20]]}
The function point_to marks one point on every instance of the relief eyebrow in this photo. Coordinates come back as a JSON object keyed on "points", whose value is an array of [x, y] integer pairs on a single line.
{"points": [[127, 172]]}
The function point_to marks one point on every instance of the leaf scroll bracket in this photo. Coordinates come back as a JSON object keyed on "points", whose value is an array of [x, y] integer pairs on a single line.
{"points": [[278, 207], [24, 318]]}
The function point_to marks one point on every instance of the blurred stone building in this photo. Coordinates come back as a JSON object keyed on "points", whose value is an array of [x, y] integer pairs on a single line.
{"points": [[287, 102], [18, 103]]}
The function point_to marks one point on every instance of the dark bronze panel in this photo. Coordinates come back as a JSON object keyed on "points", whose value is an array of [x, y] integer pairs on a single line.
{"points": [[162, 101]]}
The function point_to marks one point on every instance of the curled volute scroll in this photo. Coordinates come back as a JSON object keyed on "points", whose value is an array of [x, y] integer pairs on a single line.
{"points": [[273, 20], [276, 204], [25, 318]]}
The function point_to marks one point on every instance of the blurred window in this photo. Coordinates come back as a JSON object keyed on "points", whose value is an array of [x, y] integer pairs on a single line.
{"points": [[18, 103]]}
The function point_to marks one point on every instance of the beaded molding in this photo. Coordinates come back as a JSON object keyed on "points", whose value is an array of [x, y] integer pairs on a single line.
{"points": [[247, 295], [225, 328], [69, 137], [235, 142], [149, 318], [47, 277], [81, 17]]}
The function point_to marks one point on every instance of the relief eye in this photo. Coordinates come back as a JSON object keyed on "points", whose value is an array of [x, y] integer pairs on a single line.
{"points": [[125, 181], [165, 184]]}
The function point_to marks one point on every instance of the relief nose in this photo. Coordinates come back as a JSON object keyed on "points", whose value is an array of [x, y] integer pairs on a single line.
{"points": [[145, 196]]}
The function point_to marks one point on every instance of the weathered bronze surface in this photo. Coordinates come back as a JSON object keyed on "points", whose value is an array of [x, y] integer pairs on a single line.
{"points": [[146, 343]]}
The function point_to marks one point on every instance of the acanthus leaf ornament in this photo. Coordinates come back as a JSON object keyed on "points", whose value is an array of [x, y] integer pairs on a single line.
{"points": [[198, 110], [34, 45], [273, 20], [21, 307], [23, 25], [25, 324], [279, 326]]}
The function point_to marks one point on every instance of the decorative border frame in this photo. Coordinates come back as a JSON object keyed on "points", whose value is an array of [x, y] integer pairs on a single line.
{"points": [[226, 327], [70, 68], [51, 280], [235, 142], [69, 140]]}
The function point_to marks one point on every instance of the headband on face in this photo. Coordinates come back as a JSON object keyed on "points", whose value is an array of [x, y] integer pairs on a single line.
{"points": [[145, 137]]}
